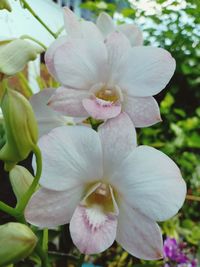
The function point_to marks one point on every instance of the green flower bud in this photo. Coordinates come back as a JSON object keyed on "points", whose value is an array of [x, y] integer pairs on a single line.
{"points": [[20, 126], [20, 179], [17, 242], [4, 4], [15, 54]]}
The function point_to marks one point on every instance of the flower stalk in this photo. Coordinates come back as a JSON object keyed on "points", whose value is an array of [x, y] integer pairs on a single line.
{"points": [[34, 40], [23, 202], [29, 8]]}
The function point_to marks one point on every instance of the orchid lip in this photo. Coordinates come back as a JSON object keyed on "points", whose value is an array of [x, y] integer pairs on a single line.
{"points": [[107, 92]]}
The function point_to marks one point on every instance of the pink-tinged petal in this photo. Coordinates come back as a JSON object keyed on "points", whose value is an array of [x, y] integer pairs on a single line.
{"points": [[46, 117], [143, 111], [72, 155], [49, 55], [152, 183], [118, 138], [69, 102], [72, 23], [101, 109], [132, 32], [81, 63], [77, 28], [146, 71], [48, 208], [92, 231], [138, 234], [90, 29], [105, 24], [118, 47]]}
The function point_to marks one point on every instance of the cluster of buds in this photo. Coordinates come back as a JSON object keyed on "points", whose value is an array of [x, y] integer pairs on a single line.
{"points": [[177, 254]]}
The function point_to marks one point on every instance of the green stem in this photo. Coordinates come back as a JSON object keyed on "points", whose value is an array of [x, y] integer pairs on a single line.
{"points": [[45, 239], [43, 256], [59, 31], [7, 209], [64, 255], [81, 260], [34, 40], [28, 7], [24, 200]]}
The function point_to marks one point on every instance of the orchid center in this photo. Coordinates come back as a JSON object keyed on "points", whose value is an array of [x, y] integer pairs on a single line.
{"points": [[108, 95], [101, 195], [107, 92]]}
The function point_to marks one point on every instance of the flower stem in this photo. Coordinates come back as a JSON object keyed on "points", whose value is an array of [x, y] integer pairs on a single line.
{"points": [[81, 260], [191, 197], [22, 204], [43, 256], [45, 240], [29, 8], [26, 36], [59, 31], [7, 209]]}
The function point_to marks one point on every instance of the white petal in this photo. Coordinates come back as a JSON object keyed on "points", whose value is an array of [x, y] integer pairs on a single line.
{"points": [[69, 102], [71, 156], [48, 208], [152, 183], [138, 234], [132, 32], [49, 55], [118, 138], [146, 71], [90, 29], [143, 111], [92, 231], [105, 24], [77, 28], [72, 23], [118, 47], [46, 117], [81, 63]]}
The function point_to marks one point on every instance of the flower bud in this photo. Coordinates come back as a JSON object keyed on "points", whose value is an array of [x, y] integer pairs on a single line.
{"points": [[17, 242], [20, 126], [4, 4], [20, 179], [15, 54]]}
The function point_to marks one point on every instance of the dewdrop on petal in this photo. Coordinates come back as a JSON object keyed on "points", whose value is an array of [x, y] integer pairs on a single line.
{"points": [[21, 179], [17, 242], [21, 128]]}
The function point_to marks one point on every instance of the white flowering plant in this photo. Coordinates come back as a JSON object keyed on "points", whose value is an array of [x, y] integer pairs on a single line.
{"points": [[91, 181]]}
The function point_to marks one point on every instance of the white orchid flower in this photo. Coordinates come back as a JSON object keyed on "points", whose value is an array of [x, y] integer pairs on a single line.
{"points": [[107, 188], [102, 77]]}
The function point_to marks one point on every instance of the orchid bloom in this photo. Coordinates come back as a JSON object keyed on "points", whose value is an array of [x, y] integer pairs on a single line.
{"points": [[107, 188], [104, 73]]}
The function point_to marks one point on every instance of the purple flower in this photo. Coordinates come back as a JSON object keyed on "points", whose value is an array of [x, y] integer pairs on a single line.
{"points": [[177, 254], [170, 248]]}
